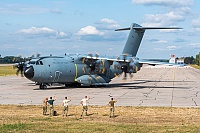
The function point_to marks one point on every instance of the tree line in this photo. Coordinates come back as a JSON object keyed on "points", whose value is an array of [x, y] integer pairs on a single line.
{"points": [[13, 59], [192, 60]]}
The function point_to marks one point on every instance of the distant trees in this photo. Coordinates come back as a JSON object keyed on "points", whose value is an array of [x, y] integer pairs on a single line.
{"points": [[192, 60], [189, 60], [10, 59], [13, 59], [197, 60]]}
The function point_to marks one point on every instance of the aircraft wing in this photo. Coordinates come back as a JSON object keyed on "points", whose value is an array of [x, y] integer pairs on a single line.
{"points": [[153, 63], [108, 58], [129, 59]]}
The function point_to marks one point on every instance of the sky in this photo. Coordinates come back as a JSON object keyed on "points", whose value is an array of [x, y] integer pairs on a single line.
{"points": [[88, 26]]}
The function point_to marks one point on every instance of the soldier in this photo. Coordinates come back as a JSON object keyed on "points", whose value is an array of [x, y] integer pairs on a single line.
{"points": [[84, 103], [112, 105], [50, 101], [20, 67], [44, 103], [65, 104]]}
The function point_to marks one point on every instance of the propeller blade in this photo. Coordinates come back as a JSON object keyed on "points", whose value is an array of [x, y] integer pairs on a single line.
{"points": [[131, 75]]}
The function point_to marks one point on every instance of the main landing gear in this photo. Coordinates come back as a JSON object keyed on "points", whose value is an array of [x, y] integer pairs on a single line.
{"points": [[73, 85], [43, 86]]}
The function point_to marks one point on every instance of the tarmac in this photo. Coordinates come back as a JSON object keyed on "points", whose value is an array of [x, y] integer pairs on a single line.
{"points": [[151, 86]]}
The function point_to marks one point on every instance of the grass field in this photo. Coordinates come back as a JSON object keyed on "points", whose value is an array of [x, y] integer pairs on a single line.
{"points": [[7, 70], [29, 118], [196, 66]]}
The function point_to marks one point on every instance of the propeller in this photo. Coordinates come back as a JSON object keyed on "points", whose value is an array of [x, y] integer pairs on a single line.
{"points": [[20, 68], [90, 64], [37, 55], [124, 66], [95, 65], [128, 65], [102, 65], [20, 65]]}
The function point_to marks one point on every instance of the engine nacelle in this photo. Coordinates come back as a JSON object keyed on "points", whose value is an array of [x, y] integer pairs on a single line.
{"points": [[102, 66], [134, 66]]}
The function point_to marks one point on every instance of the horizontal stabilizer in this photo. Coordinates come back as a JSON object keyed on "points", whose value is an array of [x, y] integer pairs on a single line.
{"points": [[123, 29], [148, 28]]}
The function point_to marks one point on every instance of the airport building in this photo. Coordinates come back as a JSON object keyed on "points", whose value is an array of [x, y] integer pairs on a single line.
{"points": [[175, 60], [180, 60], [172, 59]]}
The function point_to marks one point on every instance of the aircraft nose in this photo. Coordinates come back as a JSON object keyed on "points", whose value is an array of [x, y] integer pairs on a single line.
{"points": [[29, 72]]}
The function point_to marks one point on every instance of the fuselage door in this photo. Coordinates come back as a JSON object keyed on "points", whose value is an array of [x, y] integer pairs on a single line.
{"points": [[57, 76]]}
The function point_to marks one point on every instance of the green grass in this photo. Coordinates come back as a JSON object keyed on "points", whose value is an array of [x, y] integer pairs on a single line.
{"points": [[7, 70], [29, 118], [12, 127], [196, 66]]}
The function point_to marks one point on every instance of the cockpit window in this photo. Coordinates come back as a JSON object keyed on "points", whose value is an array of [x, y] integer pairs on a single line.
{"points": [[31, 62], [39, 63]]}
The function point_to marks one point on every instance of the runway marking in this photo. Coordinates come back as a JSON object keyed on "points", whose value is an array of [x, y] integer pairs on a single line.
{"points": [[194, 102], [173, 77]]}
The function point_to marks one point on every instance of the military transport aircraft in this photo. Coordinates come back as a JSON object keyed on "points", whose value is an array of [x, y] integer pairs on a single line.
{"points": [[90, 70]]}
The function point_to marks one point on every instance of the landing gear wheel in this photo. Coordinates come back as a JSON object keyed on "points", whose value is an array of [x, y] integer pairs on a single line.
{"points": [[43, 86], [68, 85], [73, 85]]}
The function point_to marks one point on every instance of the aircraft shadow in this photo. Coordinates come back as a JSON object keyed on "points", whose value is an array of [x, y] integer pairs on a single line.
{"points": [[63, 87], [136, 84]]}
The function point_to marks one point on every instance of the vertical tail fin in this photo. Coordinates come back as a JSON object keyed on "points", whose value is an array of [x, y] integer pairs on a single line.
{"points": [[135, 37]]}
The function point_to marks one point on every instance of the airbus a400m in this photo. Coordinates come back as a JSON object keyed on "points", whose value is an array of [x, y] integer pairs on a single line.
{"points": [[89, 69]]}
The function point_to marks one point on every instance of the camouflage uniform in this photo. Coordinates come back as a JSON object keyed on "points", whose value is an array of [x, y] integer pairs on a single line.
{"points": [[44, 103], [66, 106], [84, 102], [112, 107]]}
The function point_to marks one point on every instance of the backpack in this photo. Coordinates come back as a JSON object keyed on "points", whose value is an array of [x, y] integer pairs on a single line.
{"points": [[54, 113]]}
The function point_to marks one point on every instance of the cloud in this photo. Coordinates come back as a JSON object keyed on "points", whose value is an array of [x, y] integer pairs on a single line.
{"points": [[170, 18], [107, 24], [89, 30], [179, 40], [56, 11], [21, 9], [18, 9], [195, 45], [196, 24], [168, 48], [108, 36], [43, 31], [102, 31], [157, 41], [171, 47], [178, 10], [81, 13], [36, 30], [168, 3]]}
